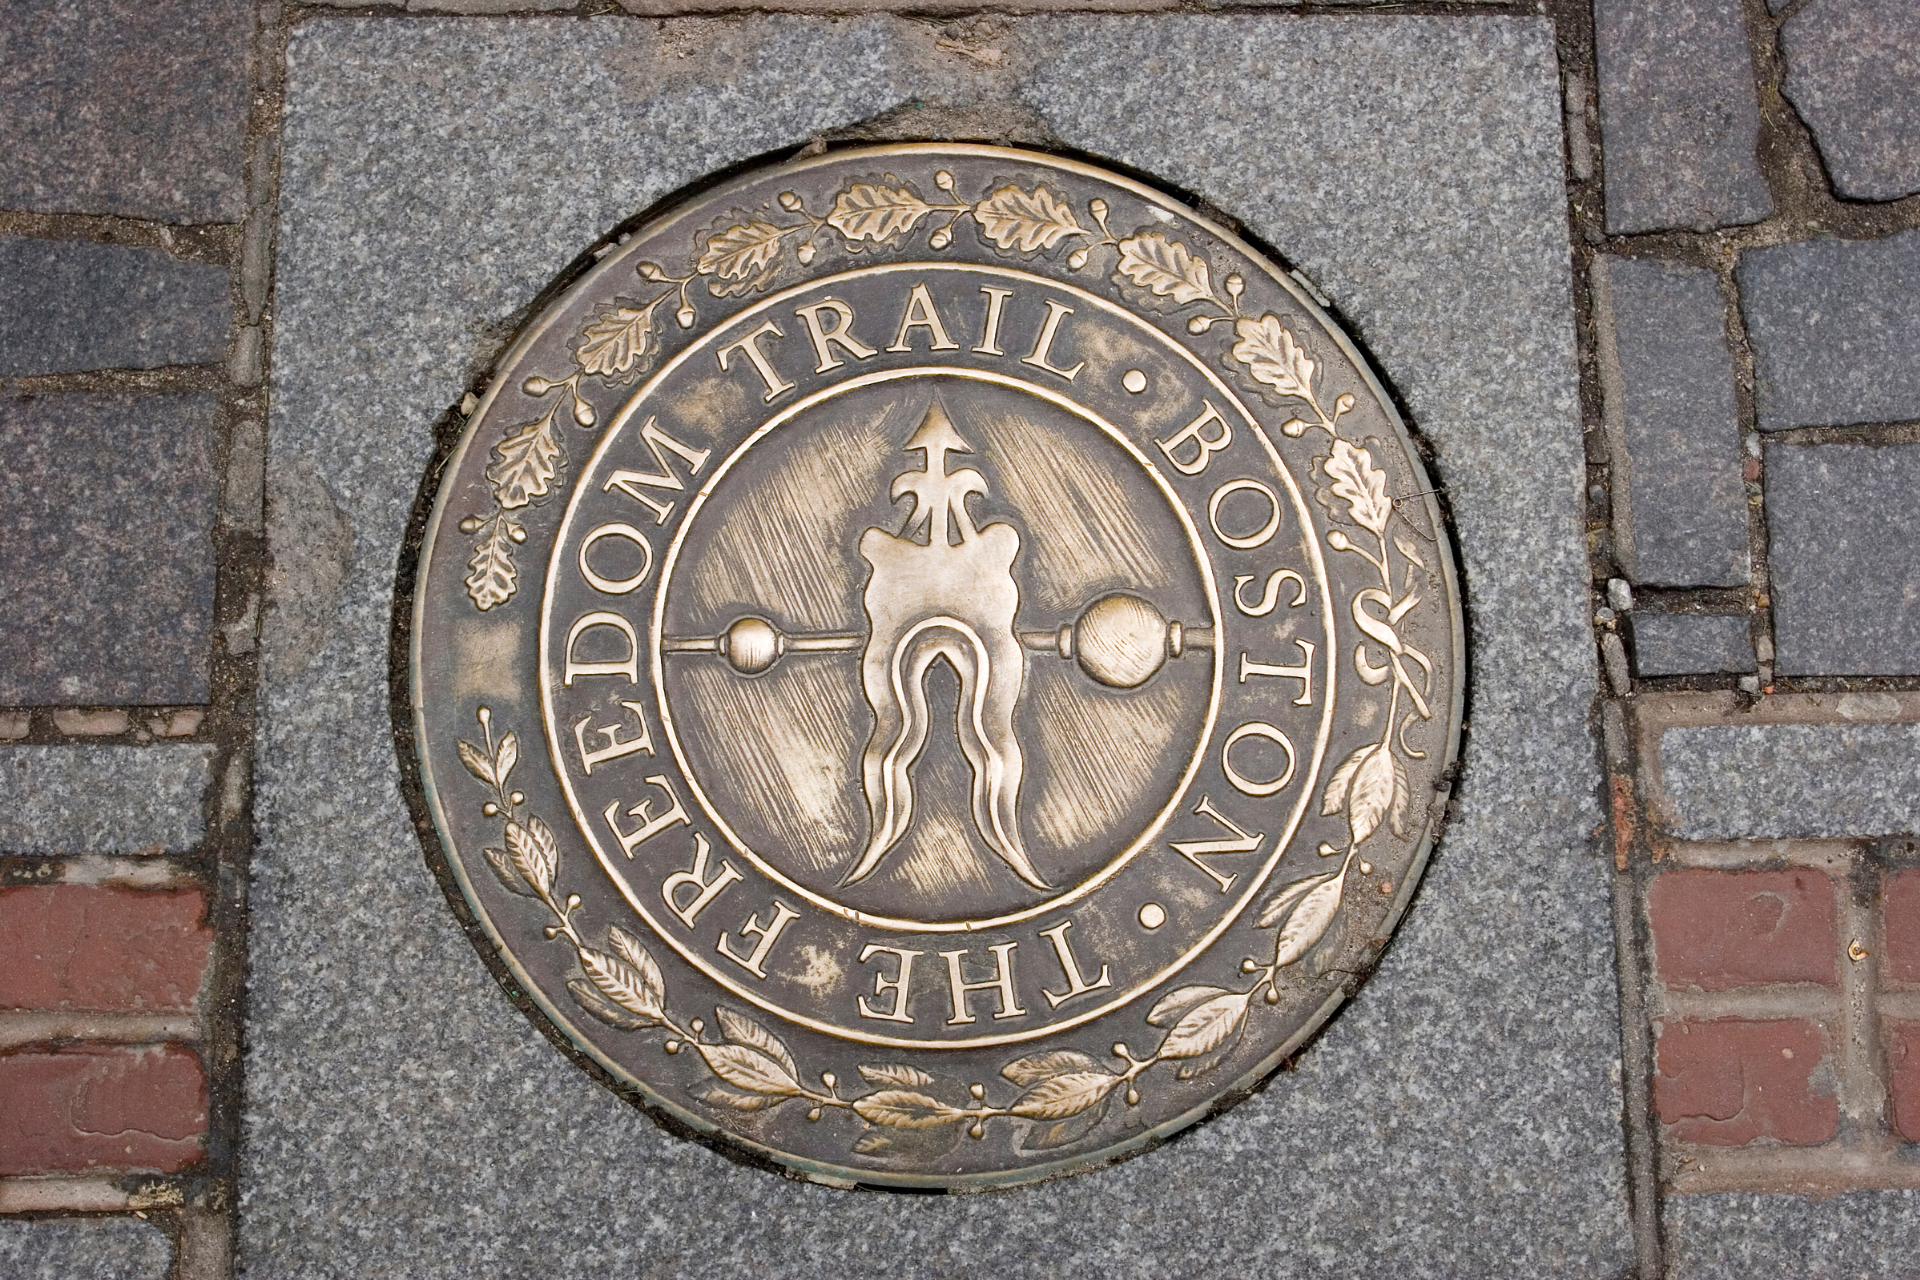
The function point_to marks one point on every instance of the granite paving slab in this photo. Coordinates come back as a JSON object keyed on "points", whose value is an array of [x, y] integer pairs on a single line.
{"points": [[1853, 72], [1685, 644], [1844, 539], [1670, 383], [1469, 1089], [71, 305], [1732, 782], [83, 1249], [132, 107], [1842, 1237], [108, 559], [1679, 119], [102, 799], [1835, 327]]}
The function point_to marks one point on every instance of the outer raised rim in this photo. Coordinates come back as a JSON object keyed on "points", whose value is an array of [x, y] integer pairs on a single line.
{"points": [[562, 1028]]}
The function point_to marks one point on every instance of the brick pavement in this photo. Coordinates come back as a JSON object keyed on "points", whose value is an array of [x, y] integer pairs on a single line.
{"points": [[1741, 184]]}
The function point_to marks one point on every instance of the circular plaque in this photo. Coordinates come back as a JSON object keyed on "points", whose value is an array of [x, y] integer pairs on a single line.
{"points": [[932, 666]]}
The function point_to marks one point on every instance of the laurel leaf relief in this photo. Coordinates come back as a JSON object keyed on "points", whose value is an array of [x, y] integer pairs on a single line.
{"points": [[1165, 268], [1206, 1031], [534, 852], [1369, 784], [628, 990], [740, 254], [1310, 915], [588, 997], [508, 874], [1064, 1095], [525, 463], [1026, 220], [897, 1075], [867, 211], [478, 763], [618, 339], [1361, 484], [1034, 1068], [905, 1109]]}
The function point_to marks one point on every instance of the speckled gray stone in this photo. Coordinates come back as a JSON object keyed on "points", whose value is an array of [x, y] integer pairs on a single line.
{"points": [[1835, 327], [107, 558], [1685, 502], [69, 305], [1844, 544], [134, 107], [102, 799], [1730, 782], [1679, 119], [1851, 1236], [1853, 71], [1684, 644], [83, 1249], [1470, 1087]]}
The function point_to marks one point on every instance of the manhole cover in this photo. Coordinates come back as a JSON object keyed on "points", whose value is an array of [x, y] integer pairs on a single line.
{"points": [[933, 666]]}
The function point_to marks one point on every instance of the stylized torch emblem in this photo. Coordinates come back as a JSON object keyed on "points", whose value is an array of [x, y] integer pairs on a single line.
{"points": [[942, 589], [951, 597]]}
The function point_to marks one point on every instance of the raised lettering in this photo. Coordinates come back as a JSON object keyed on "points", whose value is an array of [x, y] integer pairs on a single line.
{"points": [[756, 962], [1244, 542], [650, 826], [660, 444], [1204, 447], [1001, 981], [615, 586], [628, 666], [824, 338], [990, 332], [1303, 673], [1243, 841], [1077, 984], [615, 748], [704, 890], [921, 315], [1044, 344], [1271, 595], [761, 365], [1256, 729], [897, 984]]}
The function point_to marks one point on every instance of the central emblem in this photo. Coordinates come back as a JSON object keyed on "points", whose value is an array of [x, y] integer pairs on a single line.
{"points": [[933, 667], [951, 598]]}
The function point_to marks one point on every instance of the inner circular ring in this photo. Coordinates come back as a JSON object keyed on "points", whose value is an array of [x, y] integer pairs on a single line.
{"points": [[1086, 885]]}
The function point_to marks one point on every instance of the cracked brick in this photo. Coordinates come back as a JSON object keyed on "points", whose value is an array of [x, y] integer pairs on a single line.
{"points": [[1716, 930], [101, 1108], [1729, 1082]]}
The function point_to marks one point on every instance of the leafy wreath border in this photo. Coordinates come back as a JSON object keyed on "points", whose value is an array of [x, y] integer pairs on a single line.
{"points": [[1064, 1093]]}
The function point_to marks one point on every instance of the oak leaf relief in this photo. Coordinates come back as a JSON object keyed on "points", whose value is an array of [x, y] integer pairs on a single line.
{"points": [[1268, 350], [618, 339], [866, 211], [739, 257], [1026, 220], [1165, 268], [525, 464]]}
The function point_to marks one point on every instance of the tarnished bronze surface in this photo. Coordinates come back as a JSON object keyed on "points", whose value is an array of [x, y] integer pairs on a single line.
{"points": [[935, 666]]}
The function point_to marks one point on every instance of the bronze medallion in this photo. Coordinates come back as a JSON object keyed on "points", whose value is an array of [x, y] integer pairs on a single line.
{"points": [[934, 666]]}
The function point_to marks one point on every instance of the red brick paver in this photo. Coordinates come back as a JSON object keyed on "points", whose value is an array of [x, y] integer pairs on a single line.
{"points": [[1718, 929], [1728, 1082], [101, 1107], [1903, 1071], [1900, 899], [78, 946]]}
